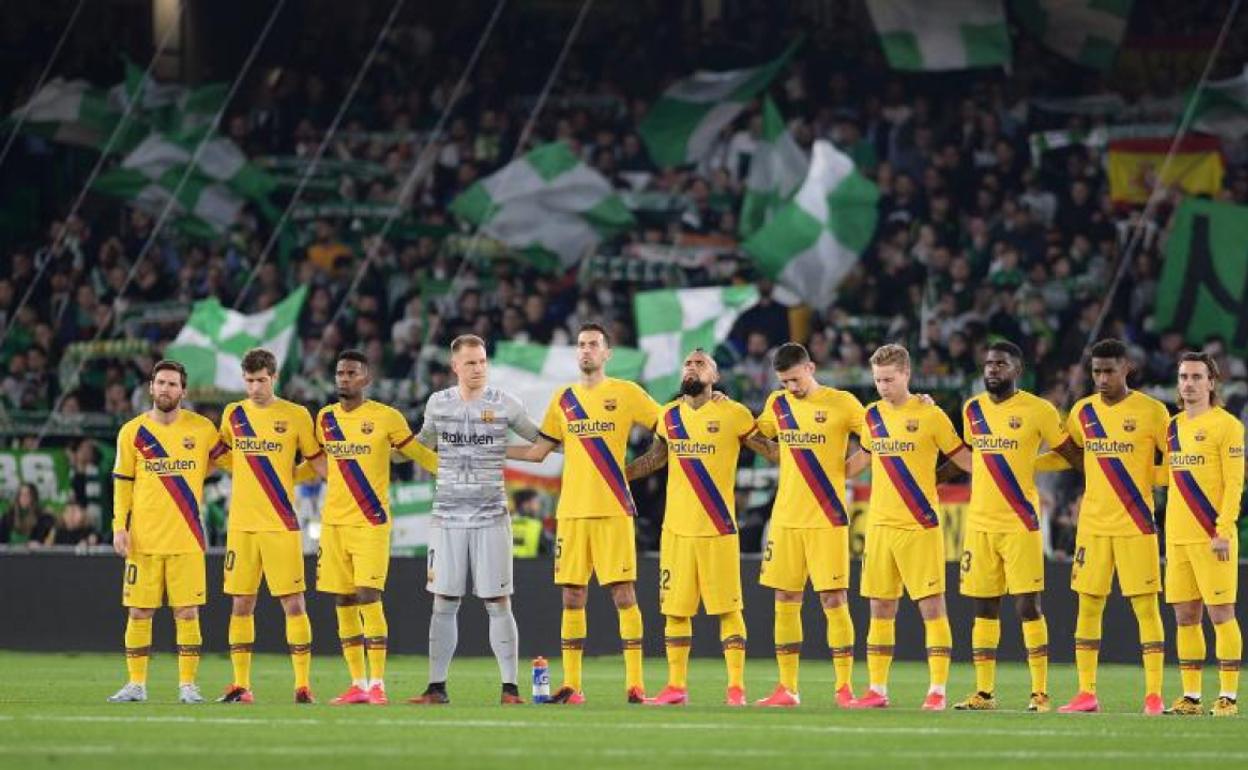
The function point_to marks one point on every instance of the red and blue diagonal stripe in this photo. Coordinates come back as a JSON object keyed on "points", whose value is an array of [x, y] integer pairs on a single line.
{"points": [[266, 475], [808, 465], [1197, 502], [700, 478], [354, 476], [1117, 474], [903, 480], [599, 454], [151, 449], [1001, 472]]}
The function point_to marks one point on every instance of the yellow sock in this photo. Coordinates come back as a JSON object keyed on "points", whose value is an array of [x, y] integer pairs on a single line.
{"points": [[630, 640], [138, 648], [1152, 640], [939, 651], [732, 637], [881, 638], [299, 638], [375, 632], [1229, 647], [190, 641], [351, 636], [1088, 640], [788, 635], [678, 638], [242, 640], [841, 644], [985, 638], [1190, 646], [572, 630], [1036, 640]]}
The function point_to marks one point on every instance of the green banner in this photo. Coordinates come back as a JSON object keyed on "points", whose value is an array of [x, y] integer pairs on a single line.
{"points": [[411, 498], [1204, 284], [48, 470]]}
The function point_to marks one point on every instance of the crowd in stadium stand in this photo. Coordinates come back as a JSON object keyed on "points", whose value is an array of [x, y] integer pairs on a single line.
{"points": [[974, 239]]}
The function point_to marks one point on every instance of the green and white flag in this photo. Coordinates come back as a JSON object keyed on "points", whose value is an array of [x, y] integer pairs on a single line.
{"points": [[776, 171], [672, 322], [219, 160], [548, 204], [205, 209], [1222, 107], [682, 125], [534, 373], [815, 238], [922, 35], [212, 343], [1085, 31], [72, 112]]}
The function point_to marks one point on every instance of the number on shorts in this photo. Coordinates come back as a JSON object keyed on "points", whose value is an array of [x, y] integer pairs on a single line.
{"points": [[966, 561], [132, 574], [229, 561], [1079, 556], [767, 553], [665, 577], [558, 547]]}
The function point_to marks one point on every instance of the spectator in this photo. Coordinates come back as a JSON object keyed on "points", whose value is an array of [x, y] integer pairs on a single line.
{"points": [[26, 521], [75, 527]]}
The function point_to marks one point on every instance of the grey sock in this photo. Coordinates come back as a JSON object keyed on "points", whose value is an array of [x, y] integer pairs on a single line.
{"points": [[443, 637], [504, 639]]}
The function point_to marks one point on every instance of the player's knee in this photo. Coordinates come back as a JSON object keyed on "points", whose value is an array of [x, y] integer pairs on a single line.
{"points": [[1028, 606], [989, 609], [185, 613], [498, 606], [142, 613], [292, 604], [789, 597], [446, 605], [367, 595], [1189, 613], [885, 609], [245, 605], [575, 597], [1221, 613], [833, 599], [932, 607], [623, 595]]}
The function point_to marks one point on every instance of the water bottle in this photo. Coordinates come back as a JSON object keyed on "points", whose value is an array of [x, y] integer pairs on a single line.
{"points": [[541, 680]]}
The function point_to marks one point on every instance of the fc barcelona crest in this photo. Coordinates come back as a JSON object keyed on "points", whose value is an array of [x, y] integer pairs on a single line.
{"points": [[1200, 435], [1128, 424], [279, 426], [609, 404], [712, 426], [366, 427], [188, 442], [487, 415], [912, 426], [1016, 422], [821, 417]]}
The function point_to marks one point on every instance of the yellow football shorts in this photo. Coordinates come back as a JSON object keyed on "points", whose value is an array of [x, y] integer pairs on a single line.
{"points": [[894, 558], [277, 556], [351, 558], [997, 563], [1134, 557], [149, 577], [693, 569], [1193, 572], [603, 547], [792, 555]]}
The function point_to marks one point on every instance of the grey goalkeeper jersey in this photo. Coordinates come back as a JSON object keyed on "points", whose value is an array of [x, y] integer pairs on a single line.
{"points": [[471, 440]]}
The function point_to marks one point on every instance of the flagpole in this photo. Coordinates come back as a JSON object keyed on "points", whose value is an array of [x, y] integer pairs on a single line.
{"points": [[47, 70], [169, 204], [95, 171], [320, 150], [1158, 191]]}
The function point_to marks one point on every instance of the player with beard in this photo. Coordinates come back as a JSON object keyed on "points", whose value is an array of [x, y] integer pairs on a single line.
{"points": [[1003, 550], [700, 552], [163, 456], [592, 419]]}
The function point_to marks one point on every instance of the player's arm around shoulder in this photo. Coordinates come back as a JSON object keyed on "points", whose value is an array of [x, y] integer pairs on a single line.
{"points": [[404, 442]]}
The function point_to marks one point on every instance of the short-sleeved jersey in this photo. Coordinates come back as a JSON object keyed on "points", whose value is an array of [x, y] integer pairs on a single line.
{"points": [[1006, 438], [702, 449], [593, 424], [358, 443], [1120, 444], [813, 433], [266, 441], [167, 465], [905, 442], [471, 439], [1206, 464]]}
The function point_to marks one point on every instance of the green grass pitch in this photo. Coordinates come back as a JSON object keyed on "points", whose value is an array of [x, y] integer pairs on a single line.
{"points": [[53, 714]]}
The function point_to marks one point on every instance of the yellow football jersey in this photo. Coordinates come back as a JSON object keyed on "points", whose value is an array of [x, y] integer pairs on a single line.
{"points": [[599, 420], [1206, 462], [813, 433], [904, 443], [358, 443], [264, 440], [1120, 444], [702, 449], [159, 481], [1006, 439]]}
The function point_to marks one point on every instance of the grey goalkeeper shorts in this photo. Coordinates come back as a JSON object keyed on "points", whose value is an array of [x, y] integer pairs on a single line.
{"points": [[484, 553]]}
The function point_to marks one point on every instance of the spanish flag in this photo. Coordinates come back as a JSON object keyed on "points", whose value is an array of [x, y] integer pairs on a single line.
{"points": [[1135, 166]]}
